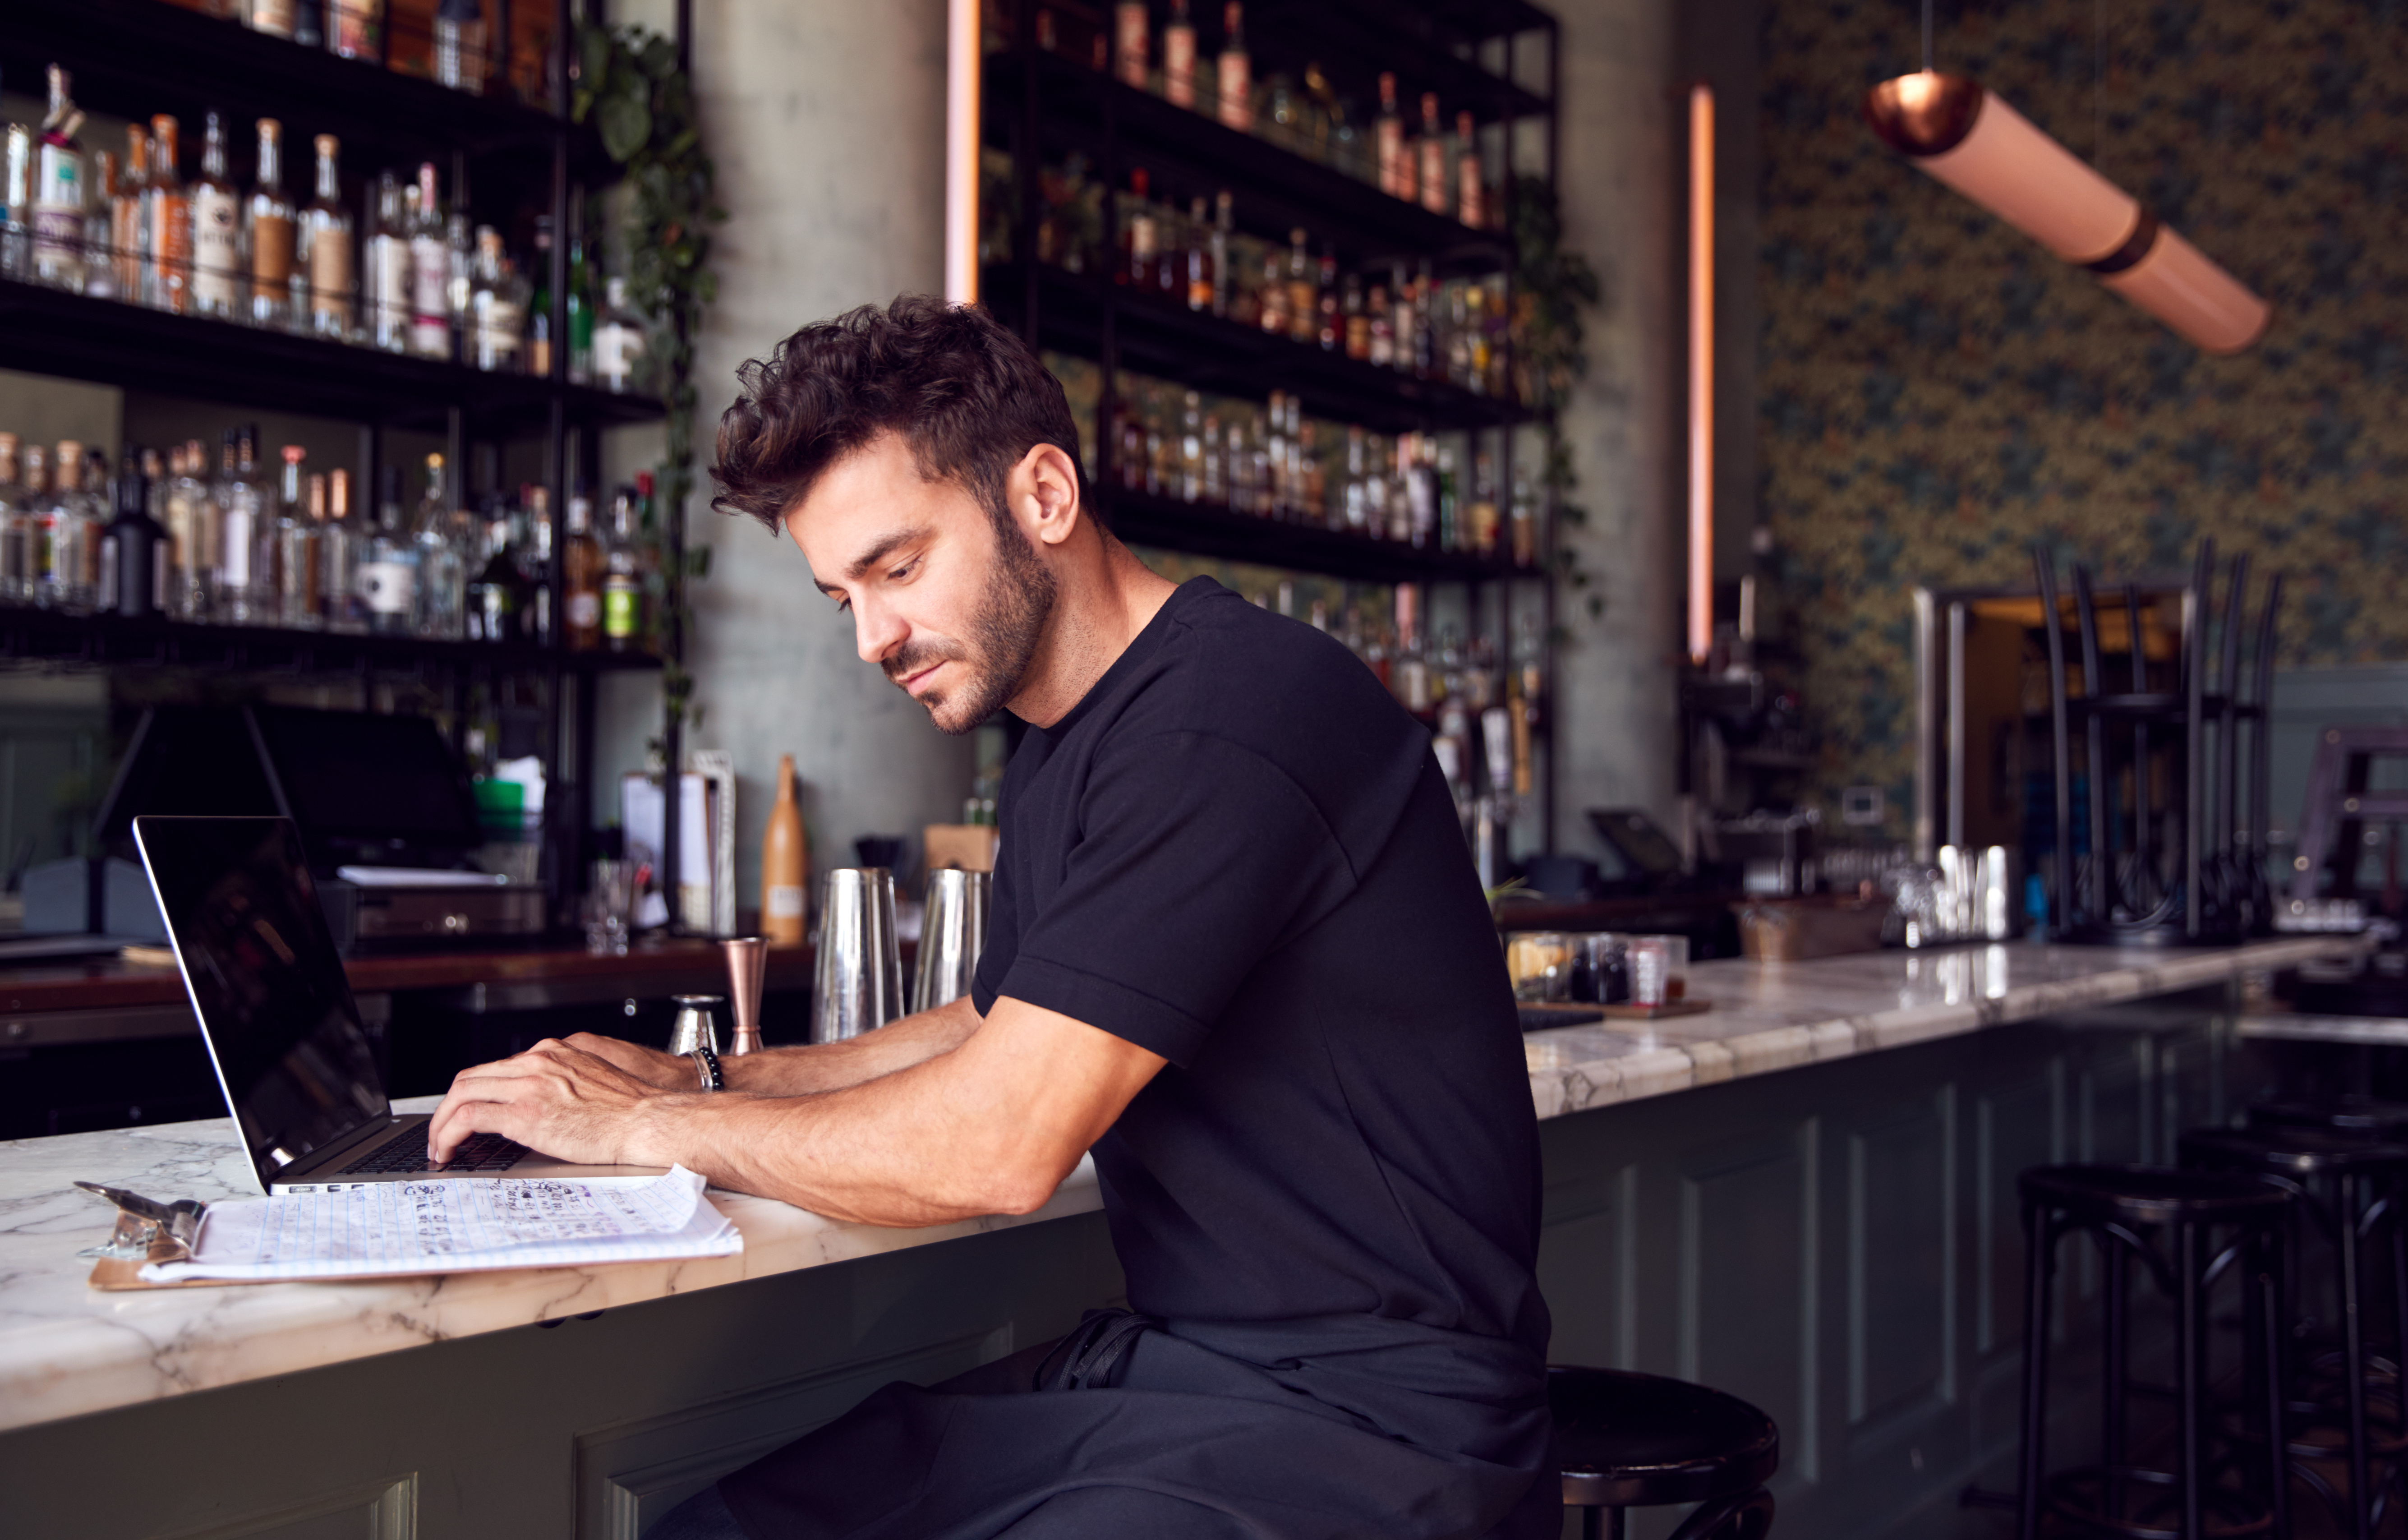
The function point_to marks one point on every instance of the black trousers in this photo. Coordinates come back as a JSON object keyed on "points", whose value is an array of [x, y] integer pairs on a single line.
{"points": [[1347, 1429]]}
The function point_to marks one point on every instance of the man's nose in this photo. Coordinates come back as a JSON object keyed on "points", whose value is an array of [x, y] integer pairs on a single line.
{"points": [[877, 630]]}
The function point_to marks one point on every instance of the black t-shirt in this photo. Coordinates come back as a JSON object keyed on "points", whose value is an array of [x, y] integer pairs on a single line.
{"points": [[1239, 852]]}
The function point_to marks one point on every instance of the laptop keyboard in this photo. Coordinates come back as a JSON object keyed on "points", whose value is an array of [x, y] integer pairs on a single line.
{"points": [[482, 1152]]}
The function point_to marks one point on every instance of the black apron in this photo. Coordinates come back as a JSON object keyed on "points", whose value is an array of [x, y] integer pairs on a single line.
{"points": [[1346, 1427]]}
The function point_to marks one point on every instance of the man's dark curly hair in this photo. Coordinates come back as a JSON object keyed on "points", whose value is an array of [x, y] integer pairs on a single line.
{"points": [[968, 396]]}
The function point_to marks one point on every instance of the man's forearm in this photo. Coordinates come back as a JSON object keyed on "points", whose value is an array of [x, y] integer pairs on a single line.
{"points": [[819, 1066]]}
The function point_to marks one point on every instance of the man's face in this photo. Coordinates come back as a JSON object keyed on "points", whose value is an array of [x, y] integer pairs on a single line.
{"points": [[950, 612]]}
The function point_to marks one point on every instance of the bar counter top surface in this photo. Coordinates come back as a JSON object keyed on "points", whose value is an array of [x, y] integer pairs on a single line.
{"points": [[67, 1350]]}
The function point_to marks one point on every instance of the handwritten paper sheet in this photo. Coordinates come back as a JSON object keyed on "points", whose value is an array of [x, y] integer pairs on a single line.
{"points": [[455, 1225]]}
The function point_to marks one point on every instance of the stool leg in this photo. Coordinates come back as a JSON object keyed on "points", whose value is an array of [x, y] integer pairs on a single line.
{"points": [[2190, 1351], [2039, 1245], [2266, 1293], [2112, 1356], [2353, 1355]]}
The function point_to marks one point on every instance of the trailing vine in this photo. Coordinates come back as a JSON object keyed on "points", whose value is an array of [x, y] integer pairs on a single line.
{"points": [[629, 84], [1551, 287]]}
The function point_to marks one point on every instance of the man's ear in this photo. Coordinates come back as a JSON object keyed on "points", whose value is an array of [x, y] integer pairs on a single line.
{"points": [[1046, 484]]}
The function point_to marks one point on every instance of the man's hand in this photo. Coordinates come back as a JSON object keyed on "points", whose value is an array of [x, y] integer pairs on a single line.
{"points": [[555, 1098], [660, 1071]]}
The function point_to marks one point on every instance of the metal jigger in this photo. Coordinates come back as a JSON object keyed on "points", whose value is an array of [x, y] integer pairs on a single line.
{"points": [[694, 1023], [950, 937], [858, 974], [748, 963]]}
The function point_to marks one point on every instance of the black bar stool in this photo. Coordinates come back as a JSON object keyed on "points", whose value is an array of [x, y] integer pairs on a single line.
{"points": [[2348, 1188], [2165, 1219], [1643, 1441], [2359, 1116]]}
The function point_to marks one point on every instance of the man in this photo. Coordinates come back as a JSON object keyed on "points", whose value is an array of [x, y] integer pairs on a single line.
{"points": [[1236, 949]]}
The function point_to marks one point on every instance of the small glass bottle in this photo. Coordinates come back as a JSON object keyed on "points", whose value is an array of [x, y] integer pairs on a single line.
{"points": [[243, 527], [15, 523], [128, 248], [618, 342], [167, 223], [498, 308], [539, 309], [1303, 293], [133, 550], [1234, 75], [186, 513], [430, 273], [1433, 156], [388, 579], [300, 544], [1179, 57], [272, 231], [1388, 133], [1129, 25], [388, 268], [217, 283], [535, 565], [37, 523], [58, 192], [99, 259], [580, 577], [1191, 447], [460, 45], [325, 256], [494, 602], [442, 566], [622, 577], [342, 548], [1470, 190]]}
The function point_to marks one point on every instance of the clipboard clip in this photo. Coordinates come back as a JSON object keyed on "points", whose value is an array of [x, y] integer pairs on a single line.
{"points": [[149, 1231]]}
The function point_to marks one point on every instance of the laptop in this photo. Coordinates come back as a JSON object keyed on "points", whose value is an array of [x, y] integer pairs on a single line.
{"points": [[276, 1010]]}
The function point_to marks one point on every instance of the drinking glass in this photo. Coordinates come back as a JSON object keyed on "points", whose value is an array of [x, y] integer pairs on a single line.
{"points": [[952, 935], [1541, 963], [858, 974]]}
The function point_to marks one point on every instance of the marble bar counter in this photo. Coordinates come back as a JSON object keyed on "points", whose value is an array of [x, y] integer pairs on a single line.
{"points": [[1835, 1241]]}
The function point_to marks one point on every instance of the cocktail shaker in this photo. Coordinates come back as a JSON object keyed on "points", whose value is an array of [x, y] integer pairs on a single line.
{"points": [[857, 978], [747, 962], [950, 937], [694, 1023]]}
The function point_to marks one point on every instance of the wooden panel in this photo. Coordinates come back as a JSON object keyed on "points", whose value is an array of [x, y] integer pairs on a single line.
{"points": [[2015, 1126], [1584, 1262], [629, 1476], [385, 1510], [1747, 1287], [1902, 1255]]}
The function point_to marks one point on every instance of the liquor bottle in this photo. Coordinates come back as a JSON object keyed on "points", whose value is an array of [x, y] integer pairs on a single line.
{"points": [[430, 273], [167, 223], [389, 273], [355, 29], [183, 500], [460, 45], [99, 257], [271, 235], [1199, 264], [1138, 235], [1355, 319], [1428, 362], [34, 523], [1303, 291], [308, 23], [273, 17], [498, 310], [1275, 482], [127, 249], [51, 487], [133, 565], [1450, 514], [1469, 186], [81, 516], [15, 529], [580, 577], [217, 275], [622, 577], [1224, 278], [580, 312], [388, 580], [1433, 156], [1388, 133], [460, 284], [300, 545], [1169, 275], [538, 313], [1191, 447], [1214, 488], [1235, 72], [443, 567], [243, 598], [325, 256], [342, 546], [1354, 515], [494, 599], [785, 863], [1479, 518], [1315, 477], [1179, 57], [1129, 23], [58, 192], [535, 565], [1331, 327], [618, 342]]}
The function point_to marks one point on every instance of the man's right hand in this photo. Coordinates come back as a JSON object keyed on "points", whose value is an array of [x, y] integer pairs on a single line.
{"points": [[660, 1071]]}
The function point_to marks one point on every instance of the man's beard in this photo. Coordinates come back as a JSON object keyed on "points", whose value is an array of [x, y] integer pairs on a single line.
{"points": [[1004, 634]]}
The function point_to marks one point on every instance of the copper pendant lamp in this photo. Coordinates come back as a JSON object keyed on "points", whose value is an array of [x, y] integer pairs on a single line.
{"points": [[1957, 133]]}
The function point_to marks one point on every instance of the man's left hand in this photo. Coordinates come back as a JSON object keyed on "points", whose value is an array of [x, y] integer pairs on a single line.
{"points": [[560, 1100]]}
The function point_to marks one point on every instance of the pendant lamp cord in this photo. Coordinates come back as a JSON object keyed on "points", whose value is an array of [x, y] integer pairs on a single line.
{"points": [[1927, 36]]}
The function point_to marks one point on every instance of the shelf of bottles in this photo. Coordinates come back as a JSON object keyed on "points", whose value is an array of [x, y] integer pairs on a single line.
{"points": [[1273, 270]]}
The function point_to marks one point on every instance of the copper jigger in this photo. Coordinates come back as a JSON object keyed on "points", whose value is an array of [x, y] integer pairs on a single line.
{"points": [[748, 961]]}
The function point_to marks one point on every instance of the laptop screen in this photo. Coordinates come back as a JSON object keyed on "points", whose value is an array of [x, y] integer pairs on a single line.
{"points": [[275, 1007]]}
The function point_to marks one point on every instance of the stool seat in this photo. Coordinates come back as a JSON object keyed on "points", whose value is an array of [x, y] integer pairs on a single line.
{"points": [[2362, 1116], [2152, 1195], [2293, 1152], [1626, 1440]]}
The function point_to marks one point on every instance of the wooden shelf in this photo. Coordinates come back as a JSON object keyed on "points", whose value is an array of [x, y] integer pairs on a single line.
{"points": [[54, 636], [1209, 531]]}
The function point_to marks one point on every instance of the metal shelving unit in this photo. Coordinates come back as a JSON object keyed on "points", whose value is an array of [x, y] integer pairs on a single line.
{"points": [[133, 58], [1041, 106]]}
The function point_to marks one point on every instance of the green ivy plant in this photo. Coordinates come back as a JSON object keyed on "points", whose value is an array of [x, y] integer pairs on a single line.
{"points": [[1551, 287], [629, 86]]}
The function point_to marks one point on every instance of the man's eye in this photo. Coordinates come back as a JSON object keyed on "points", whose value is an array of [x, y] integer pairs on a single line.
{"points": [[899, 574], [843, 605]]}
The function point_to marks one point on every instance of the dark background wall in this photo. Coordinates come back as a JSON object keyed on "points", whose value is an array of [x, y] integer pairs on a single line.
{"points": [[1936, 392]]}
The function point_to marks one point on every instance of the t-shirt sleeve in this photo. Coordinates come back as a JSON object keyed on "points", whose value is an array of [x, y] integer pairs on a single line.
{"points": [[1195, 859]]}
